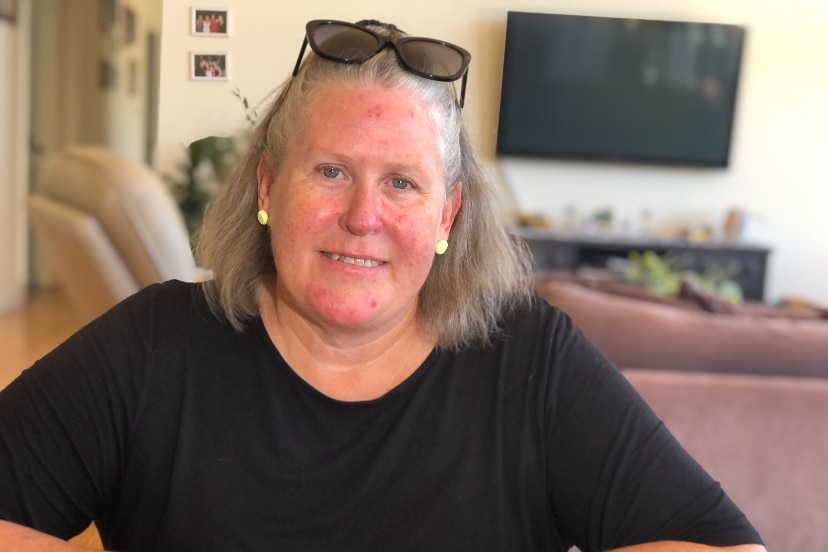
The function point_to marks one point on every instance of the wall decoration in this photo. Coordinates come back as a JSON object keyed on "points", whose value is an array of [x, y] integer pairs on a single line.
{"points": [[132, 85], [108, 14], [108, 75], [210, 22], [209, 66], [129, 25], [8, 10]]}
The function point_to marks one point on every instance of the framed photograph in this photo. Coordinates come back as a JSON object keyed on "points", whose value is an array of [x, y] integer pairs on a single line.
{"points": [[8, 10], [132, 85], [129, 25], [212, 66], [210, 22], [108, 75], [108, 14]]}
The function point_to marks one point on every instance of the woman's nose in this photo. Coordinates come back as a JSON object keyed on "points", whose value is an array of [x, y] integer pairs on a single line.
{"points": [[362, 213]]}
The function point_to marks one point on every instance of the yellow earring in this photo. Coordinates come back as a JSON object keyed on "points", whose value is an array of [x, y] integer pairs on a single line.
{"points": [[441, 248], [261, 216]]}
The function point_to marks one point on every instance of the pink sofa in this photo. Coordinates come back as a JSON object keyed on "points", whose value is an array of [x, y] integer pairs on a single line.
{"points": [[764, 438], [641, 331], [746, 394]]}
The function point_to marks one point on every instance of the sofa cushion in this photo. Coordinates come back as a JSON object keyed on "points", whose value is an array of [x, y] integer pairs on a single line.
{"points": [[643, 334], [762, 437]]}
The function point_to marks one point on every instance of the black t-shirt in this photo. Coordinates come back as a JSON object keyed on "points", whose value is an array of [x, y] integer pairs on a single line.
{"points": [[175, 432]]}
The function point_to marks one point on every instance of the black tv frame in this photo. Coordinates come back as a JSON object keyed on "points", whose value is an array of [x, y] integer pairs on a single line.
{"points": [[511, 89]]}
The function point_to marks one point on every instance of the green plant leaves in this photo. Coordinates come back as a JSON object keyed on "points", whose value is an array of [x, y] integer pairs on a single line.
{"points": [[664, 275]]}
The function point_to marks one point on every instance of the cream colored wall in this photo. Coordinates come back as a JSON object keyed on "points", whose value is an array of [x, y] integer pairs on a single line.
{"points": [[14, 93], [126, 129], [777, 175], [69, 105]]}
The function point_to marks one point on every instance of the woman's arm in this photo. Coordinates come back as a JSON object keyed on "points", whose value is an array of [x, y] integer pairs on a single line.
{"points": [[688, 547], [618, 474], [17, 538]]}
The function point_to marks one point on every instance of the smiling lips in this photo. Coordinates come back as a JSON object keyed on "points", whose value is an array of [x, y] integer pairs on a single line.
{"points": [[351, 260]]}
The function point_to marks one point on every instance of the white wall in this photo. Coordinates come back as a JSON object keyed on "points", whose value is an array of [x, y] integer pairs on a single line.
{"points": [[13, 158], [777, 175]]}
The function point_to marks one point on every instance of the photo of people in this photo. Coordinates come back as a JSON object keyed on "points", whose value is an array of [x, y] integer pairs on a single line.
{"points": [[210, 22], [208, 66]]}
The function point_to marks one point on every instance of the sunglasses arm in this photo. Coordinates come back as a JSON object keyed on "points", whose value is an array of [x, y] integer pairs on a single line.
{"points": [[301, 54], [463, 89]]}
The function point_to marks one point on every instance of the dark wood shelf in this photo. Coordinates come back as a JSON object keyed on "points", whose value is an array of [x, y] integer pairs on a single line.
{"points": [[572, 251]]}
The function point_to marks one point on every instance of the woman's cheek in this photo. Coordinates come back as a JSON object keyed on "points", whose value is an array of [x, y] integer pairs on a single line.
{"points": [[409, 233], [312, 214]]}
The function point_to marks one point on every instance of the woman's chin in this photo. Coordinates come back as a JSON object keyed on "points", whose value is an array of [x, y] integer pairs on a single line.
{"points": [[363, 313]]}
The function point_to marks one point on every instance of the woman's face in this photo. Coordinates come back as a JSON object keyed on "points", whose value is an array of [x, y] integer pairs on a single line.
{"points": [[356, 209]]}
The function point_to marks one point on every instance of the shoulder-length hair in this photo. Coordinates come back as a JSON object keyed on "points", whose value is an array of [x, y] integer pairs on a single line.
{"points": [[483, 275]]}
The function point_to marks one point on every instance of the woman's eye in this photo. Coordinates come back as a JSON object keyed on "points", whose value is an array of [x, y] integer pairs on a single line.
{"points": [[331, 172], [400, 184]]}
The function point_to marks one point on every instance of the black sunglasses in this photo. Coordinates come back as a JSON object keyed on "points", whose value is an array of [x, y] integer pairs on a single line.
{"points": [[352, 43]]}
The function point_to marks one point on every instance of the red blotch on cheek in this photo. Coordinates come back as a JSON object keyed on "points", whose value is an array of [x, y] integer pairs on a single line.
{"points": [[407, 232], [318, 295]]}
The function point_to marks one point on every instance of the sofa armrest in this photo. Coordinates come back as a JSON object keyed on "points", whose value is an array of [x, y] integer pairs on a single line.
{"points": [[763, 438]]}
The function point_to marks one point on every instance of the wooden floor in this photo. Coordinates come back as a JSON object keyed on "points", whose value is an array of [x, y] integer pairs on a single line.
{"points": [[32, 331]]}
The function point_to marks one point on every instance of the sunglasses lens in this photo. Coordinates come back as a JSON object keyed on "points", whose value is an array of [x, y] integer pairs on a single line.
{"points": [[432, 58], [347, 44]]}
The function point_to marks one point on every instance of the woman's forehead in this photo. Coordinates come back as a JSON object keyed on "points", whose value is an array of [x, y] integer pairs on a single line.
{"points": [[369, 108]]}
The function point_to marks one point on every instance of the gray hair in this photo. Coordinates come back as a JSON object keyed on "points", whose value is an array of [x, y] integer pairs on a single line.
{"points": [[483, 275]]}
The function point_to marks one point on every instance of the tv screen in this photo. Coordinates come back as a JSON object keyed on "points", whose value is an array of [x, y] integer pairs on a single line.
{"points": [[618, 89]]}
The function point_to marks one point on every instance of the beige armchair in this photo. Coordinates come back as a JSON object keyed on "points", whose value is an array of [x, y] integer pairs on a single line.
{"points": [[108, 226]]}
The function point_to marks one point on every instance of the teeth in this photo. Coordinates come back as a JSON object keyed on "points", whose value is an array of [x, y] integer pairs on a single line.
{"points": [[353, 261]]}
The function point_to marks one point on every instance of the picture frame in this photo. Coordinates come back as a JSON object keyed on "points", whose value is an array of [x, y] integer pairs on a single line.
{"points": [[108, 75], [108, 14], [129, 25], [8, 10], [210, 66], [210, 22], [132, 83]]}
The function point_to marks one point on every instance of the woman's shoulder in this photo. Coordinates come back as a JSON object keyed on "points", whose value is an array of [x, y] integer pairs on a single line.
{"points": [[540, 340], [160, 312], [174, 291], [535, 319], [533, 331], [172, 298]]}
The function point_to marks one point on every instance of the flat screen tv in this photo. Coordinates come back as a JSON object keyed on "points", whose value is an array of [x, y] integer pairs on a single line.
{"points": [[618, 89]]}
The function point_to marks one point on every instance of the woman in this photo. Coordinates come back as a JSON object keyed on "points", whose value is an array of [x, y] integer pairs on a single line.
{"points": [[367, 371]]}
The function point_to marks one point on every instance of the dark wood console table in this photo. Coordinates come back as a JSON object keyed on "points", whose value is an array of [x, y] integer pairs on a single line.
{"points": [[570, 251]]}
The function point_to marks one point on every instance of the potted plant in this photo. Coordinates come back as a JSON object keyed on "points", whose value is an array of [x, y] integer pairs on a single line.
{"points": [[206, 165], [665, 276]]}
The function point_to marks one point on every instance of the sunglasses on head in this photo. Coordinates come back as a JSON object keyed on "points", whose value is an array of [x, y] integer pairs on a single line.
{"points": [[353, 43]]}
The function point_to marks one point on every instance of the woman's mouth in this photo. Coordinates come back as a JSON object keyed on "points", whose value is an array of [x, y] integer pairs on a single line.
{"points": [[352, 260]]}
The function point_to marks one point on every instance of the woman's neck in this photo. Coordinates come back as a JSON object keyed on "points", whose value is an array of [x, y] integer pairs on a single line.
{"points": [[342, 363]]}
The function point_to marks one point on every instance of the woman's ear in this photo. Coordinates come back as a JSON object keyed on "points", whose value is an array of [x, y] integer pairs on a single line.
{"points": [[450, 209], [264, 177]]}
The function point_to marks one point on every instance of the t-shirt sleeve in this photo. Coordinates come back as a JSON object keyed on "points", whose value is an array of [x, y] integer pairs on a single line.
{"points": [[618, 476], [64, 424]]}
